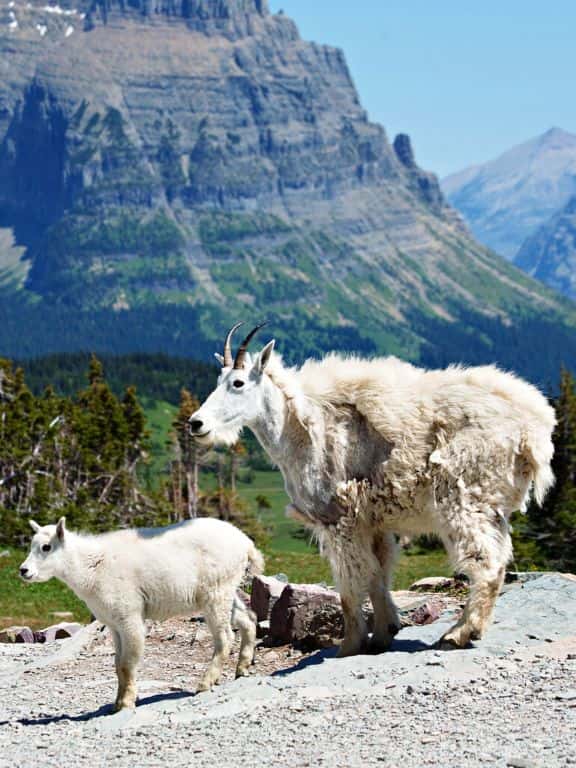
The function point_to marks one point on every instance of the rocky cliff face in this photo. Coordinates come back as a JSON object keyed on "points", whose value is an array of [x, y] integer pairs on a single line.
{"points": [[170, 166], [550, 253]]}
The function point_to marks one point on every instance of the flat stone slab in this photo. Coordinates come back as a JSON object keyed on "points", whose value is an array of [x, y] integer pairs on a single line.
{"points": [[536, 617]]}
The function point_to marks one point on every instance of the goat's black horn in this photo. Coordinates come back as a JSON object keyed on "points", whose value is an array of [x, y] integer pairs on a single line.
{"points": [[241, 354]]}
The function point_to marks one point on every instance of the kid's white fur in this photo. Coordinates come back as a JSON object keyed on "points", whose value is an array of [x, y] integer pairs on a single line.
{"points": [[128, 576]]}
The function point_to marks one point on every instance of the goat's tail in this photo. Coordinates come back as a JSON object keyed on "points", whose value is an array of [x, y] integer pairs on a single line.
{"points": [[538, 450], [255, 561]]}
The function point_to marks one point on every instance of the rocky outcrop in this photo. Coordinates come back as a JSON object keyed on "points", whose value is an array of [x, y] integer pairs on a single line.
{"points": [[231, 18], [424, 185], [549, 254]]}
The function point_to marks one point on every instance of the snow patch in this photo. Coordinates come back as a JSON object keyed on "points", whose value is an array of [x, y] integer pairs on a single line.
{"points": [[69, 30], [42, 28]]}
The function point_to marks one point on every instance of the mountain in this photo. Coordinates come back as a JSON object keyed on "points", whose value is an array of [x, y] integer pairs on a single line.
{"points": [[170, 166], [506, 200], [550, 253]]}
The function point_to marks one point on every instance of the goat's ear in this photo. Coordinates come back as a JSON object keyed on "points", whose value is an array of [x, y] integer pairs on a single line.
{"points": [[34, 525], [61, 528], [219, 357], [264, 356]]}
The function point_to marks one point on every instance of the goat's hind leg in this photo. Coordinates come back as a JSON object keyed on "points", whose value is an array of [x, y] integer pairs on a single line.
{"points": [[217, 615], [245, 620], [481, 551], [386, 620], [119, 670]]}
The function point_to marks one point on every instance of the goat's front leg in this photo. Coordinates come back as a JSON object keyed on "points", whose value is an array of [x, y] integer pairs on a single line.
{"points": [[355, 628], [353, 587], [129, 646]]}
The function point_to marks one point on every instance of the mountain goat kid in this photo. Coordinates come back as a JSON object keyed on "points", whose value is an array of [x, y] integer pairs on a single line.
{"points": [[128, 576], [370, 448]]}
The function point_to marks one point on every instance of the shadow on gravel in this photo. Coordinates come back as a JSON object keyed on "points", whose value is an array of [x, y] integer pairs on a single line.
{"points": [[398, 646], [310, 661], [410, 646], [102, 711]]}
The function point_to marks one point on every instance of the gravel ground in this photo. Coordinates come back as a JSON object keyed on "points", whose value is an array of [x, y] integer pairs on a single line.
{"points": [[509, 701]]}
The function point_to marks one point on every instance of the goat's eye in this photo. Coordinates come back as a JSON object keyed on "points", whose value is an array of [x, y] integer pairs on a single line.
{"points": [[237, 383], [46, 547]]}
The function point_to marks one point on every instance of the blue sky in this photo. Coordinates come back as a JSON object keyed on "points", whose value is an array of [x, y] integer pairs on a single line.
{"points": [[467, 80]]}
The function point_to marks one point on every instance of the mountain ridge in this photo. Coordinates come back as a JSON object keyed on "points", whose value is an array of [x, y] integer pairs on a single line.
{"points": [[549, 254], [506, 199], [167, 172]]}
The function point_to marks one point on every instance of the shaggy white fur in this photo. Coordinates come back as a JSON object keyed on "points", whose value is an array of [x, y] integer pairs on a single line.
{"points": [[369, 448], [128, 576]]}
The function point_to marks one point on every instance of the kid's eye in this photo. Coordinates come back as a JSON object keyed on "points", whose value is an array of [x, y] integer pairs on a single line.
{"points": [[237, 383], [46, 548]]}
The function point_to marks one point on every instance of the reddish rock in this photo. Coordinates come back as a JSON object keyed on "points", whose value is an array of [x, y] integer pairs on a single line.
{"points": [[56, 632], [16, 635], [308, 616], [265, 592], [426, 613]]}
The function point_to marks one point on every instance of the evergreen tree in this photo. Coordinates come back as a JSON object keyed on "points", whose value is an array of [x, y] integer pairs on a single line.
{"points": [[546, 538], [73, 456]]}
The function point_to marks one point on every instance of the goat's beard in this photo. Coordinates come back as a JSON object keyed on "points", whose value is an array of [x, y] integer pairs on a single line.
{"points": [[226, 436]]}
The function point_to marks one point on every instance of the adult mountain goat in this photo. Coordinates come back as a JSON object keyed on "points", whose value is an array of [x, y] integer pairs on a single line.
{"points": [[369, 448], [125, 577]]}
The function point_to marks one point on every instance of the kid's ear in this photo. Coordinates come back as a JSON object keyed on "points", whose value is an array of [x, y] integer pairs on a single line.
{"points": [[264, 356], [61, 528], [220, 358], [34, 525]]}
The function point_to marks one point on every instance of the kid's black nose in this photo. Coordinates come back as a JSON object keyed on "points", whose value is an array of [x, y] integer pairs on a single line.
{"points": [[23, 571], [196, 425]]}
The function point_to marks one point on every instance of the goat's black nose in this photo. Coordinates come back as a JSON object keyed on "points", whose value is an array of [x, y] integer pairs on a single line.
{"points": [[196, 425], [23, 571]]}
